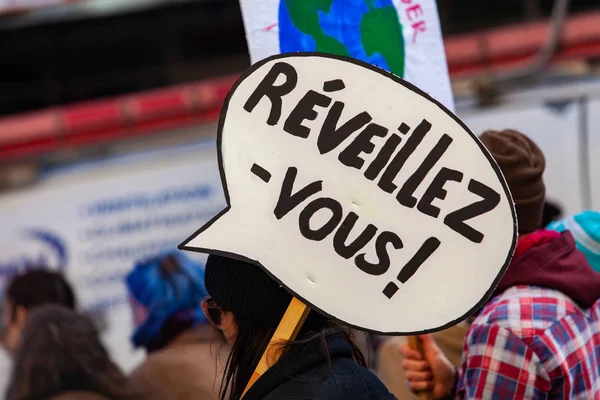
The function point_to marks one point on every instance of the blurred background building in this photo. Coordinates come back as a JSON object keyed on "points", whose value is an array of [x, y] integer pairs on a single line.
{"points": [[108, 111]]}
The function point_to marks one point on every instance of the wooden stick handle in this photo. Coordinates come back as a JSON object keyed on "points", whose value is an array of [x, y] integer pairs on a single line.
{"points": [[288, 329], [416, 343]]}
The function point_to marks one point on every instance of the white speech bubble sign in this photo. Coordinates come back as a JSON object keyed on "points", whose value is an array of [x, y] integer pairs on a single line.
{"points": [[361, 194]]}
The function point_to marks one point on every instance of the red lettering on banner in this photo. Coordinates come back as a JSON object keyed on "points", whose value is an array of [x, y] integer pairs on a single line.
{"points": [[418, 27], [415, 14]]}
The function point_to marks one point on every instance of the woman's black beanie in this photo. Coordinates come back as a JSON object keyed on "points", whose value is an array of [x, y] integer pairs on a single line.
{"points": [[246, 290]]}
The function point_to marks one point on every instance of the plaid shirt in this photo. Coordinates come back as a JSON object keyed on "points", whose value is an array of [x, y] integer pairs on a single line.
{"points": [[532, 343]]}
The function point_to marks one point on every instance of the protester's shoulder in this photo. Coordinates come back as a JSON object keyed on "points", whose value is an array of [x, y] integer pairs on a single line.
{"points": [[179, 370], [538, 322], [158, 367], [347, 380], [351, 384], [176, 357], [363, 379], [527, 310]]}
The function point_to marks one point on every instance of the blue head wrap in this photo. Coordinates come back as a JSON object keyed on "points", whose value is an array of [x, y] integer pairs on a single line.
{"points": [[165, 294]]}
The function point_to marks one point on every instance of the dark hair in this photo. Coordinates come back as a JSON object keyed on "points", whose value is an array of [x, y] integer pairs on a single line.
{"points": [[551, 213], [37, 287], [61, 352], [174, 326], [252, 340]]}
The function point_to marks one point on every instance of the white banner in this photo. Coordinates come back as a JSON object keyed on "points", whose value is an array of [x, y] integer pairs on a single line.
{"points": [[400, 36], [95, 221]]}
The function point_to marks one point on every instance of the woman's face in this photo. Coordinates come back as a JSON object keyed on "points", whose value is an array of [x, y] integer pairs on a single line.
{"points": [[228, 326], [220, 319]]}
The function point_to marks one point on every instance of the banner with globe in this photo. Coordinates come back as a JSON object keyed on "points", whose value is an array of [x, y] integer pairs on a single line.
{"points": [[401, 36]]}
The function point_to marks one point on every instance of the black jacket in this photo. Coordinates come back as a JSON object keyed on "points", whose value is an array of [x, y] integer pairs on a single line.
{"points": [[305, 374]]}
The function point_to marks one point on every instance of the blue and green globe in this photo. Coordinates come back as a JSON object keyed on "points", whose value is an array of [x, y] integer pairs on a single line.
{"points": [[368, 30]]}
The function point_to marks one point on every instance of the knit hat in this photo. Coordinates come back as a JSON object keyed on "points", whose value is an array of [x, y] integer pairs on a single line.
{"points": [[168, 285], [585, 228], [522, 163], [246, 290]]}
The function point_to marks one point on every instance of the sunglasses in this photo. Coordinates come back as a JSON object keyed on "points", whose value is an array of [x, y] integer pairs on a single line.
{"points": [[212, 311]]}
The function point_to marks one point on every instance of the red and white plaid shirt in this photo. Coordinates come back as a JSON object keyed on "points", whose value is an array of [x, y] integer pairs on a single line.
{"points": [[532, 343]]}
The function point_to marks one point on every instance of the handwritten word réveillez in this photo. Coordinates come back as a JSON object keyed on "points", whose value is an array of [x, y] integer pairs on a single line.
{"points": [[419, 164], [331, 135]]}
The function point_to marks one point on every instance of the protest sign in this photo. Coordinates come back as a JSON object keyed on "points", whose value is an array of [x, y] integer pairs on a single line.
{"points": [[363, 196], [401, 36]]}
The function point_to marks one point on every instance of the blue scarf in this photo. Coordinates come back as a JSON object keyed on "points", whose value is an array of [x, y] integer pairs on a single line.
{"points": [[166, 295]]}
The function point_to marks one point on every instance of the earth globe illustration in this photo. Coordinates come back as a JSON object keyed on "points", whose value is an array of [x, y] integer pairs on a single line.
{"points": [[368, 30]]}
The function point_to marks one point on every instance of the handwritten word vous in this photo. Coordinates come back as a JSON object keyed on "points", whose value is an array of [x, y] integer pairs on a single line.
{"points": [[360, 194]]}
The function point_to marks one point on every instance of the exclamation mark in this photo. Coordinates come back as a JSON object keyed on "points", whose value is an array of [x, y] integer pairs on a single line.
{"points": [[426, 250]]}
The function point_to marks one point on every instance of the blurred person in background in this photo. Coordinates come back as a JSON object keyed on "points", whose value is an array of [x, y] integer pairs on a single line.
{"points": [[538, 336], [61, 357], [33, 288], [27, 291], [184, 351]]}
